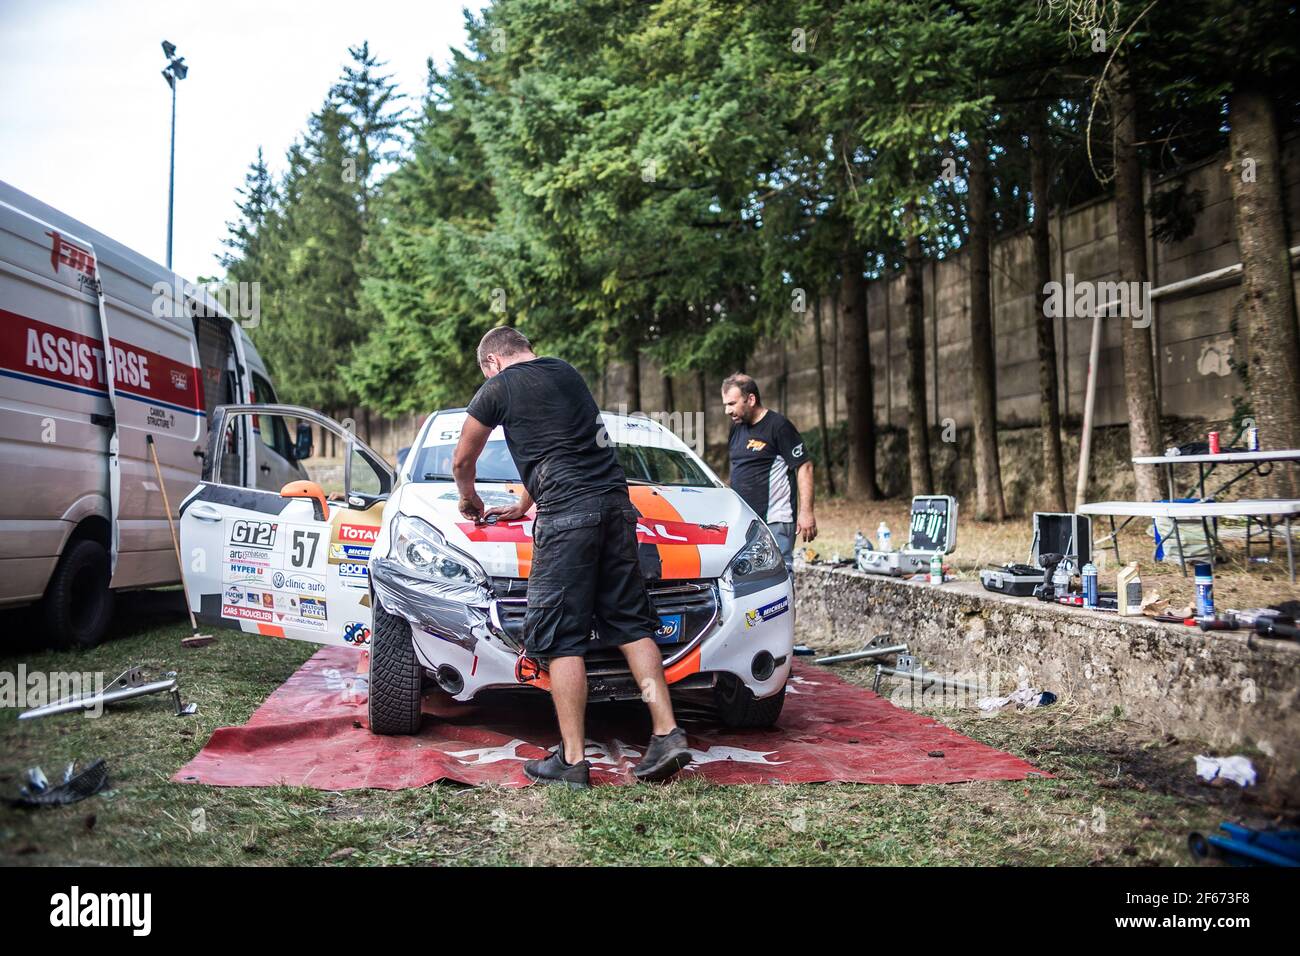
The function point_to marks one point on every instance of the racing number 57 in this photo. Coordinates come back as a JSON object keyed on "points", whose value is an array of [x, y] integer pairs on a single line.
{"points": [[301, 558]]}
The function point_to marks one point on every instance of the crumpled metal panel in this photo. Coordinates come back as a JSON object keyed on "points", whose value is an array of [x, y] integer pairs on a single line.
{"points": [[457, 612]]}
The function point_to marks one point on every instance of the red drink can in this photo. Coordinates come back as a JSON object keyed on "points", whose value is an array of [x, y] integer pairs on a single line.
{"points": [[1214, 443]]}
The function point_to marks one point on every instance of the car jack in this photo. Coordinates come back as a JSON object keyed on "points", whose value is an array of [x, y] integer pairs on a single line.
{"points": [[130, 683]]}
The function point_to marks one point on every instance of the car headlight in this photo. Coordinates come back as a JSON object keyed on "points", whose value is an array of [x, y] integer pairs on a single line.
{"points": [[759, 558], [423, 550]]}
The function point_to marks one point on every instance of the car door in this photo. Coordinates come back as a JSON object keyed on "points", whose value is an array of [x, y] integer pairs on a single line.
{"points": [[291, 562]]}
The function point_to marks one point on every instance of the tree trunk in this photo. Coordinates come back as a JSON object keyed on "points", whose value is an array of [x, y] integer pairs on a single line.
{"points": [[860, 394], [704, 416], [634, 383], [989, 503], [821, 400], [1273, 359], [1130, 234], [1049, 408], [668, 393], [918, 435]]}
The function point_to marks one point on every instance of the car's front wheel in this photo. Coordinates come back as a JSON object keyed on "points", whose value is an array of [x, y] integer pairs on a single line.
{"points": [[396, 677], [739, 708]]}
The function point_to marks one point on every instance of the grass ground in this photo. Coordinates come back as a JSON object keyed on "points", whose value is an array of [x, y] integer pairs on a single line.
{"points": [[982, 544], [1116, 797]]}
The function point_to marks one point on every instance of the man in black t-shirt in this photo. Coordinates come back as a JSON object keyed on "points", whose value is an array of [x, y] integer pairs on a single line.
{"points": [[585, 569], [764, 448]]}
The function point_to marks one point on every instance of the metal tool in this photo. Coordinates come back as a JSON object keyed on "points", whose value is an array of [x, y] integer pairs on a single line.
{"points": [[910, 669], [878, 646], [129, 684], [1244, 846]]}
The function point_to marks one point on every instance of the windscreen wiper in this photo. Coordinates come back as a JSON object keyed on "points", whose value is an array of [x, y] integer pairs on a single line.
{"points": [[434, 476]]}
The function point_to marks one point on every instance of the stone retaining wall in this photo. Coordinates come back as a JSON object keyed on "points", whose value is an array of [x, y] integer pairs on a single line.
{"points": [[1215, 687]]}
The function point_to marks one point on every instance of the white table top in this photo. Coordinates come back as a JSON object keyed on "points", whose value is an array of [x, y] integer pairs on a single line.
{"points": [[1223, 458], [1204, 509]]}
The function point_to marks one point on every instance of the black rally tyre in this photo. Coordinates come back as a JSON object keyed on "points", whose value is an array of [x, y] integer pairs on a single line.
{"points": [[78, 605], [395, 677], [738, 708]]}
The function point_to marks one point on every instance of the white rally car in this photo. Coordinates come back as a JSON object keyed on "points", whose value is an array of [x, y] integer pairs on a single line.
{"points": [[387, 562]]}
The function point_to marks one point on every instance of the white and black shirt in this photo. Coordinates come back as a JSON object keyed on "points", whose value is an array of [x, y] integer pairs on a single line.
{"points": [[762, 455]]}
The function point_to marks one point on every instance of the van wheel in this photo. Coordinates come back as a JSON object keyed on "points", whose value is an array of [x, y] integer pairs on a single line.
{"points": [[737, 706], [78, 605], [396, 677]]}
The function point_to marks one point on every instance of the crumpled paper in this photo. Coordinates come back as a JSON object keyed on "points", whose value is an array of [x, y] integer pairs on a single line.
{"points": [[1023, 697], [1237, 769]]}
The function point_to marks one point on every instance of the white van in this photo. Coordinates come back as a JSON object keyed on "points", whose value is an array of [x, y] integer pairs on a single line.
{"points": [[82, 515]]}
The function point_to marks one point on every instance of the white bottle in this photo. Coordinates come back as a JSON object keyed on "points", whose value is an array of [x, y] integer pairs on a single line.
{"points": [[884, 538]]}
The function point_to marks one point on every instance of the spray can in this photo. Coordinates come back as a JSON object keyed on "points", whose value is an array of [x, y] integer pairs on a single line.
{"points": [[1214, 442], [1252, 438], [936, 568], [1204, 589], [1089, 575], [884, 538]]}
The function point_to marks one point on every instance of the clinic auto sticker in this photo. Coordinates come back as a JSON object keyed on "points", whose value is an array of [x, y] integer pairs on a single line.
{"points": [[266, 570], [767, 612]]}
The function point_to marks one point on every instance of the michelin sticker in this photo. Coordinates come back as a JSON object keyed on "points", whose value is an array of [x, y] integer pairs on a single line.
{"points": [[767, 612]]}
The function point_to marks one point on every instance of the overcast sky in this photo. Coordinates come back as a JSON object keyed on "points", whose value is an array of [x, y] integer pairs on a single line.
{"points": [[85, 112]]}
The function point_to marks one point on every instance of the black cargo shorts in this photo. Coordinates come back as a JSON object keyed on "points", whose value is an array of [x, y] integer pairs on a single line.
{"points": [[586, 574]]}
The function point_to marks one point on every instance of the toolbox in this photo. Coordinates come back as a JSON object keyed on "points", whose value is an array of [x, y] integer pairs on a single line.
{"points": [[1068, 535], [932, 530]]}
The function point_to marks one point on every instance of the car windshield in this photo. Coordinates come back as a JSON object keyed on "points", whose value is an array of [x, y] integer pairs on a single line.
{"points": [[643, 465]]}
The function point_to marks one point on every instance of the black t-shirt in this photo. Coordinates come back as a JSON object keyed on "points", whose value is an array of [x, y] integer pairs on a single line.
{"points": [[762, 455], [553, 430]]}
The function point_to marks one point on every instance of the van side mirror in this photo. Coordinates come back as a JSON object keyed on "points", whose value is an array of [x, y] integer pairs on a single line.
{"points": [[302, 443]]}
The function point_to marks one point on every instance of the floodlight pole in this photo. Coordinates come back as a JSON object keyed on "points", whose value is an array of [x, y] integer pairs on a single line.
{"points": [[171, 176]]}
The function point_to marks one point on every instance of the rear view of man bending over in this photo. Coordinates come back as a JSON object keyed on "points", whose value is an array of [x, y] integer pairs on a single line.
{"points": [[585, 566]]}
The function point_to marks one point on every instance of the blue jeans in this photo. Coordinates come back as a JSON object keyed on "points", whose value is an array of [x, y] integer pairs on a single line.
{"points": [[783, 531]]}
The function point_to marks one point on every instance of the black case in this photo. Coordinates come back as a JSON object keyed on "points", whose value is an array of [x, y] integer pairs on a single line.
{"points": [[1067, 534]]}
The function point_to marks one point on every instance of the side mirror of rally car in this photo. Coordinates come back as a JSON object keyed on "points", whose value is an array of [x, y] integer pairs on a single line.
{"points": [[308, 489], [302, 442]]}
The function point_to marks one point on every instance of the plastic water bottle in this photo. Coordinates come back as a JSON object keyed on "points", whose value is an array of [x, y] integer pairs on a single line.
{"points": [[936, 568], [1061, 579], [1089, 575], [1204, 589], [884, 537]]}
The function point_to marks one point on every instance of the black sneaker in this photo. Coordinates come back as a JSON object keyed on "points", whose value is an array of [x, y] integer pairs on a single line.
{"points": [[664, 757], [553, 769]]}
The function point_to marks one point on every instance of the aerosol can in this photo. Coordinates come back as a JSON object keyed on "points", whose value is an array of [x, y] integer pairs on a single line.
{"points": [[884, 538], [936, 568], [1089, 576]]}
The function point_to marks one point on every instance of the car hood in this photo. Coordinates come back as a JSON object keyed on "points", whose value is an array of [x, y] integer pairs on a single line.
{"points": [[684, 533]]}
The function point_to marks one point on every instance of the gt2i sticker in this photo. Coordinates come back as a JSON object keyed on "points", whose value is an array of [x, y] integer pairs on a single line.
{"points": [[767, 612], [260, 534]]}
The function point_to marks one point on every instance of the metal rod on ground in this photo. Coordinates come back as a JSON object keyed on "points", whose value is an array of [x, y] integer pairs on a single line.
{"points": [[176, 544], [921, 676], [862, 655]]}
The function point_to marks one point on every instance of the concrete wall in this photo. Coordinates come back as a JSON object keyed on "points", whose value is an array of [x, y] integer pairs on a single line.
{"points": [[1217, 688], [1193, 335]]}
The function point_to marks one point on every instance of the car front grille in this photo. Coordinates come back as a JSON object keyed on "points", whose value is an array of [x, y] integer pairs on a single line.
{"points": [[695, 600]]}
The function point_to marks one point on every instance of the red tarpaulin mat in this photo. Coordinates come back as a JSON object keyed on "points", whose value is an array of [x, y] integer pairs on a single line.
{"points": [[311, 732]]}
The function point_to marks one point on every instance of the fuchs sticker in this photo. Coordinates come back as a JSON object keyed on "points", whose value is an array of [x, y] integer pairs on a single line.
{"points": [[357, 534], [354, 574], [260, 534], [767, 612], [356, 633]]}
